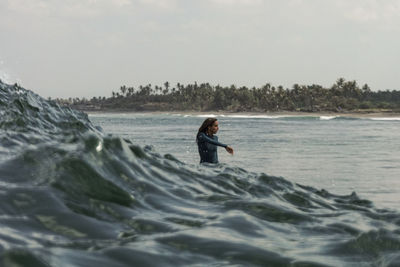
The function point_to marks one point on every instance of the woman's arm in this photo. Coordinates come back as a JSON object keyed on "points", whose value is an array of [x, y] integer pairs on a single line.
{"points": [[202, 137]]}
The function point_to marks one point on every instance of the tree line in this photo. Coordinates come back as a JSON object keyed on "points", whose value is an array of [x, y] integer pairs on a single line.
{"points": [[341, 96]]}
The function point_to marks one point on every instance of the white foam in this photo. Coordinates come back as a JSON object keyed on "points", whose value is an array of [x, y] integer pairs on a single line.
{"points": [[386, 119], [207, 116], [254, 116], [5, 76], [242, 116], [237, 116], [114, 115], [327, 117]]}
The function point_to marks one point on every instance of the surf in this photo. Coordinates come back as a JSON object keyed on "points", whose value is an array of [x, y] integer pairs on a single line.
{"points": [[74, 195]]}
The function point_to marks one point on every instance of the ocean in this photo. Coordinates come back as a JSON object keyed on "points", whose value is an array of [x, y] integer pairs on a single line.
{"points": [[336, 153], [127, 189]]}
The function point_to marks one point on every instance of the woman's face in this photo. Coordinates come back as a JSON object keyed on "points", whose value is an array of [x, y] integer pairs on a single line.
{"points": [[214, 128]]}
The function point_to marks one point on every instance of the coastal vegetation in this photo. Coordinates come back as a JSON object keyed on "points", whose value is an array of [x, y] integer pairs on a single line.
{"points": [[342, 96]]}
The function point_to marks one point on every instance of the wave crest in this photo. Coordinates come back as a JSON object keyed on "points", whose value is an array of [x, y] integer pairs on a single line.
{"points": [[75, 195]]}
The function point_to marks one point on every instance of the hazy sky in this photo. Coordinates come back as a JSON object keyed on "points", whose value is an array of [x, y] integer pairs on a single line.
{"points": [[84, 48]]}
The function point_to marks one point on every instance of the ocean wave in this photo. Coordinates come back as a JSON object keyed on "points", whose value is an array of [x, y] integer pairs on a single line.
{"points": [[72, 195], [328, 117], [287, 117], [386, 119]]}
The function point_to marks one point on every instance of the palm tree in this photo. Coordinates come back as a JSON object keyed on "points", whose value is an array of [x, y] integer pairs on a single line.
{"points": [[123, 90]]}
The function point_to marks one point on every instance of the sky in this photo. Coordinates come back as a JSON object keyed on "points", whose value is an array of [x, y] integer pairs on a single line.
{"points": [[86, 48]]}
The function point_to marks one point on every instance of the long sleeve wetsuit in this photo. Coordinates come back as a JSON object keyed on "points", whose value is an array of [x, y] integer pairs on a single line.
{"points": [[208, 147]]}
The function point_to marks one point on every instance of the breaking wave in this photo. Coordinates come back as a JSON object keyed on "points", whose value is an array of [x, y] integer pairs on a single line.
{"points": [[71, 195]]}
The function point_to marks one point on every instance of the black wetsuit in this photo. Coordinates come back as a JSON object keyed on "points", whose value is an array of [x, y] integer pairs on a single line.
{"points": [[208, 147]]}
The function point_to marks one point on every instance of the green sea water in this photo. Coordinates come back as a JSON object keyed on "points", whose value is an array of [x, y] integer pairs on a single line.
{"points": [[339, 154], [127, 189]]}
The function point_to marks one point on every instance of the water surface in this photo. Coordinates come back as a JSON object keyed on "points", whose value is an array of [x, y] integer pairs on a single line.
{"points": [[298, 192], [339, 154]]}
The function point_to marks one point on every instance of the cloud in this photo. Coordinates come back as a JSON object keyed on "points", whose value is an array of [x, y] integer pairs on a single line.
{"points": [[36, 7], [121, 3], [84, 8], [74, 8], [366, 11], [237, 2], [161, 4]]}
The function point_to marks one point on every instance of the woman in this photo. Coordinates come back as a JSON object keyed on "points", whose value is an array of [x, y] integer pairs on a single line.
{"points": [[207, 142]]}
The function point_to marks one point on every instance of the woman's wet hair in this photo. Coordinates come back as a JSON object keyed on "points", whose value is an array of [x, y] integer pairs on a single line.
{"points": [[206, 123]]}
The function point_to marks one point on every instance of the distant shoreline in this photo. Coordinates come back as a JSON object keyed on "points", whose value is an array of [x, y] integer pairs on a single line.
{"points": [[344, 98], [353, 114]]}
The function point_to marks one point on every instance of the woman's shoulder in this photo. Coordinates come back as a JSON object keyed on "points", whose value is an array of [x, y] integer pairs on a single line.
{"points": [[203, 135], [200, 135]]}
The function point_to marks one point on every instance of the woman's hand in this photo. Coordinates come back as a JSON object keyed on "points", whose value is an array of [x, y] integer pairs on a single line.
{"points": [[229, 149]]}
